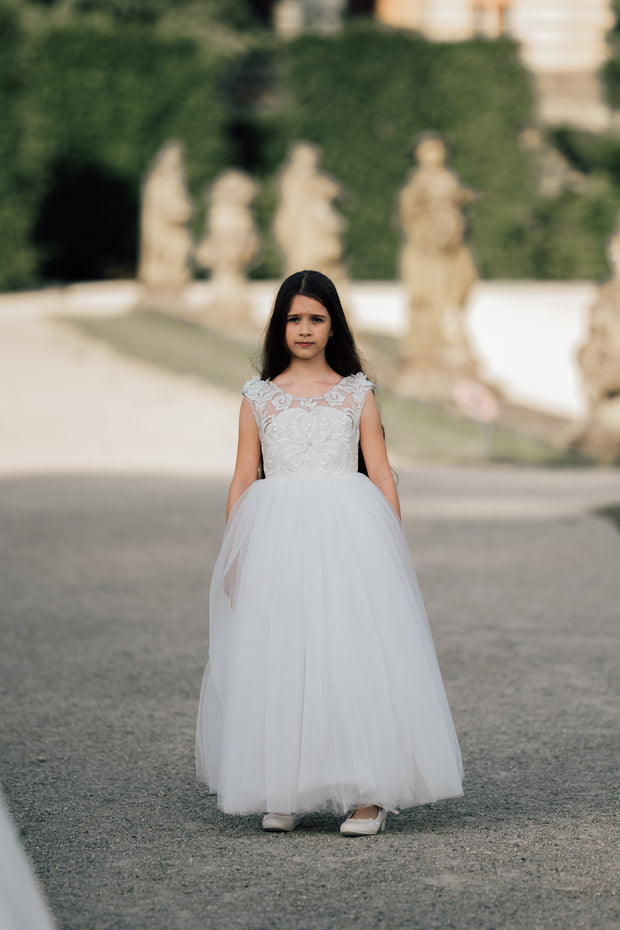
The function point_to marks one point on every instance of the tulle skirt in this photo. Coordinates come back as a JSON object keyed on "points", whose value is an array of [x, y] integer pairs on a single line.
{"points": [[322, 690]]}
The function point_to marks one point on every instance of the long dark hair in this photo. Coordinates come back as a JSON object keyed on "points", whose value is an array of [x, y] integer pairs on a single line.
{"points": [[340, 353]]}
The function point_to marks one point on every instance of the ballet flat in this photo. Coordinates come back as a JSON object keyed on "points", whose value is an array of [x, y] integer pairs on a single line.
{"points": [[280, 823], [366, 827]]}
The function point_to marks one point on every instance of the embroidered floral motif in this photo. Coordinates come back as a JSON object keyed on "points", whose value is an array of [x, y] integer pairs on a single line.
{"points": [[308, 436]]}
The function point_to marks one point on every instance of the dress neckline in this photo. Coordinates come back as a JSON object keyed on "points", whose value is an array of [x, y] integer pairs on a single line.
{"points": [[311, 396]]}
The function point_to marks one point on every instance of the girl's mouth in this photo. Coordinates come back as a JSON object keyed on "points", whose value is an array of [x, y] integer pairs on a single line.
{"points": [[304, 344]]}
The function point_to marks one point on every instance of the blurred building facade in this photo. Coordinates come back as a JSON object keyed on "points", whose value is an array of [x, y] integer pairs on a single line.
{"points": [[563, 43]]}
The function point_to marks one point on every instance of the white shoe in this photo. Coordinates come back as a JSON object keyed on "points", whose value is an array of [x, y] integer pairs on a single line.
{"points": [[280, 823], [368, 826]]}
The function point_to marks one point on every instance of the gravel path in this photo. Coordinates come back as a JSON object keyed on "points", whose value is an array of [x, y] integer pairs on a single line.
{"points": [[104, 586], [103, 589]]}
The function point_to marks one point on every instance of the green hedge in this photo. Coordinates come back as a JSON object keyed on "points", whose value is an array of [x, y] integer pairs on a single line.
{"points": [[84, 109], [611, 69], [583, 223], [236, 14], [364, 95], [87, 103], [106, 102], [18, 176]]}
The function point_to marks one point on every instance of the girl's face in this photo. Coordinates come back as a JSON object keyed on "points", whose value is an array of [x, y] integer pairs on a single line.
{"points": [[308, 328]]}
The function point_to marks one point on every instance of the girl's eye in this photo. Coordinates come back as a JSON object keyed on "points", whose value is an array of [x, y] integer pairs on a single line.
{"points": [[293, 319], [317, 319]]}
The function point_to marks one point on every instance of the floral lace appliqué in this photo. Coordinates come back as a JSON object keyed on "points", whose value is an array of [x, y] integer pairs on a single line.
{"points": [[308, 436]]}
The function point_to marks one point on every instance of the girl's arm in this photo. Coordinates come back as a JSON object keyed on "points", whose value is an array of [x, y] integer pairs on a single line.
{"points": [[375, 453], [248, 456]]}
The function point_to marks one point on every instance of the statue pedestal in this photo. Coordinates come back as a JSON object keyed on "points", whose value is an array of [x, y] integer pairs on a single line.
{"points": [[430, 382], [434, 353], [172, 301], [599, 361], [229, 308], [600, 437]]}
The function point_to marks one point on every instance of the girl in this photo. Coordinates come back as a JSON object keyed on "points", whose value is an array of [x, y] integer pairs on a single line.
{"points": [[322, 689]]}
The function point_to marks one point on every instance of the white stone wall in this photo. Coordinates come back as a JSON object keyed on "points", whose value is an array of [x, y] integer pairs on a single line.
{"points": [[525, 333]]}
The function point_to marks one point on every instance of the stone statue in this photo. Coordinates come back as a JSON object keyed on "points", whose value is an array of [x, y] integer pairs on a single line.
{"points": [[307, 228], [436, 265], [166, 244], [230, 246], [599, 362]]}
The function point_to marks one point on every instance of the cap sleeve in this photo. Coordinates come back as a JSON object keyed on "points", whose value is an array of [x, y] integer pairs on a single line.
{"points": [[364, 382], [254, 391], [251, 388], [360, 386]]}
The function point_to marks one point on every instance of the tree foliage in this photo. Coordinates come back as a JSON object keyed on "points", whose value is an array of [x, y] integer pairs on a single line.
{"points": [[18, 177], [92, 90], [367, 93], [101, 104]]}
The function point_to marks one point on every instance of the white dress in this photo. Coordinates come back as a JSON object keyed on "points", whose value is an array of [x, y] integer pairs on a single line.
{"points": [[22, 904], [322, 689]]}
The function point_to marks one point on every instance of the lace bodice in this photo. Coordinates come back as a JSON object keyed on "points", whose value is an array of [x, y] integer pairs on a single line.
{"points": [[304, 437]]}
